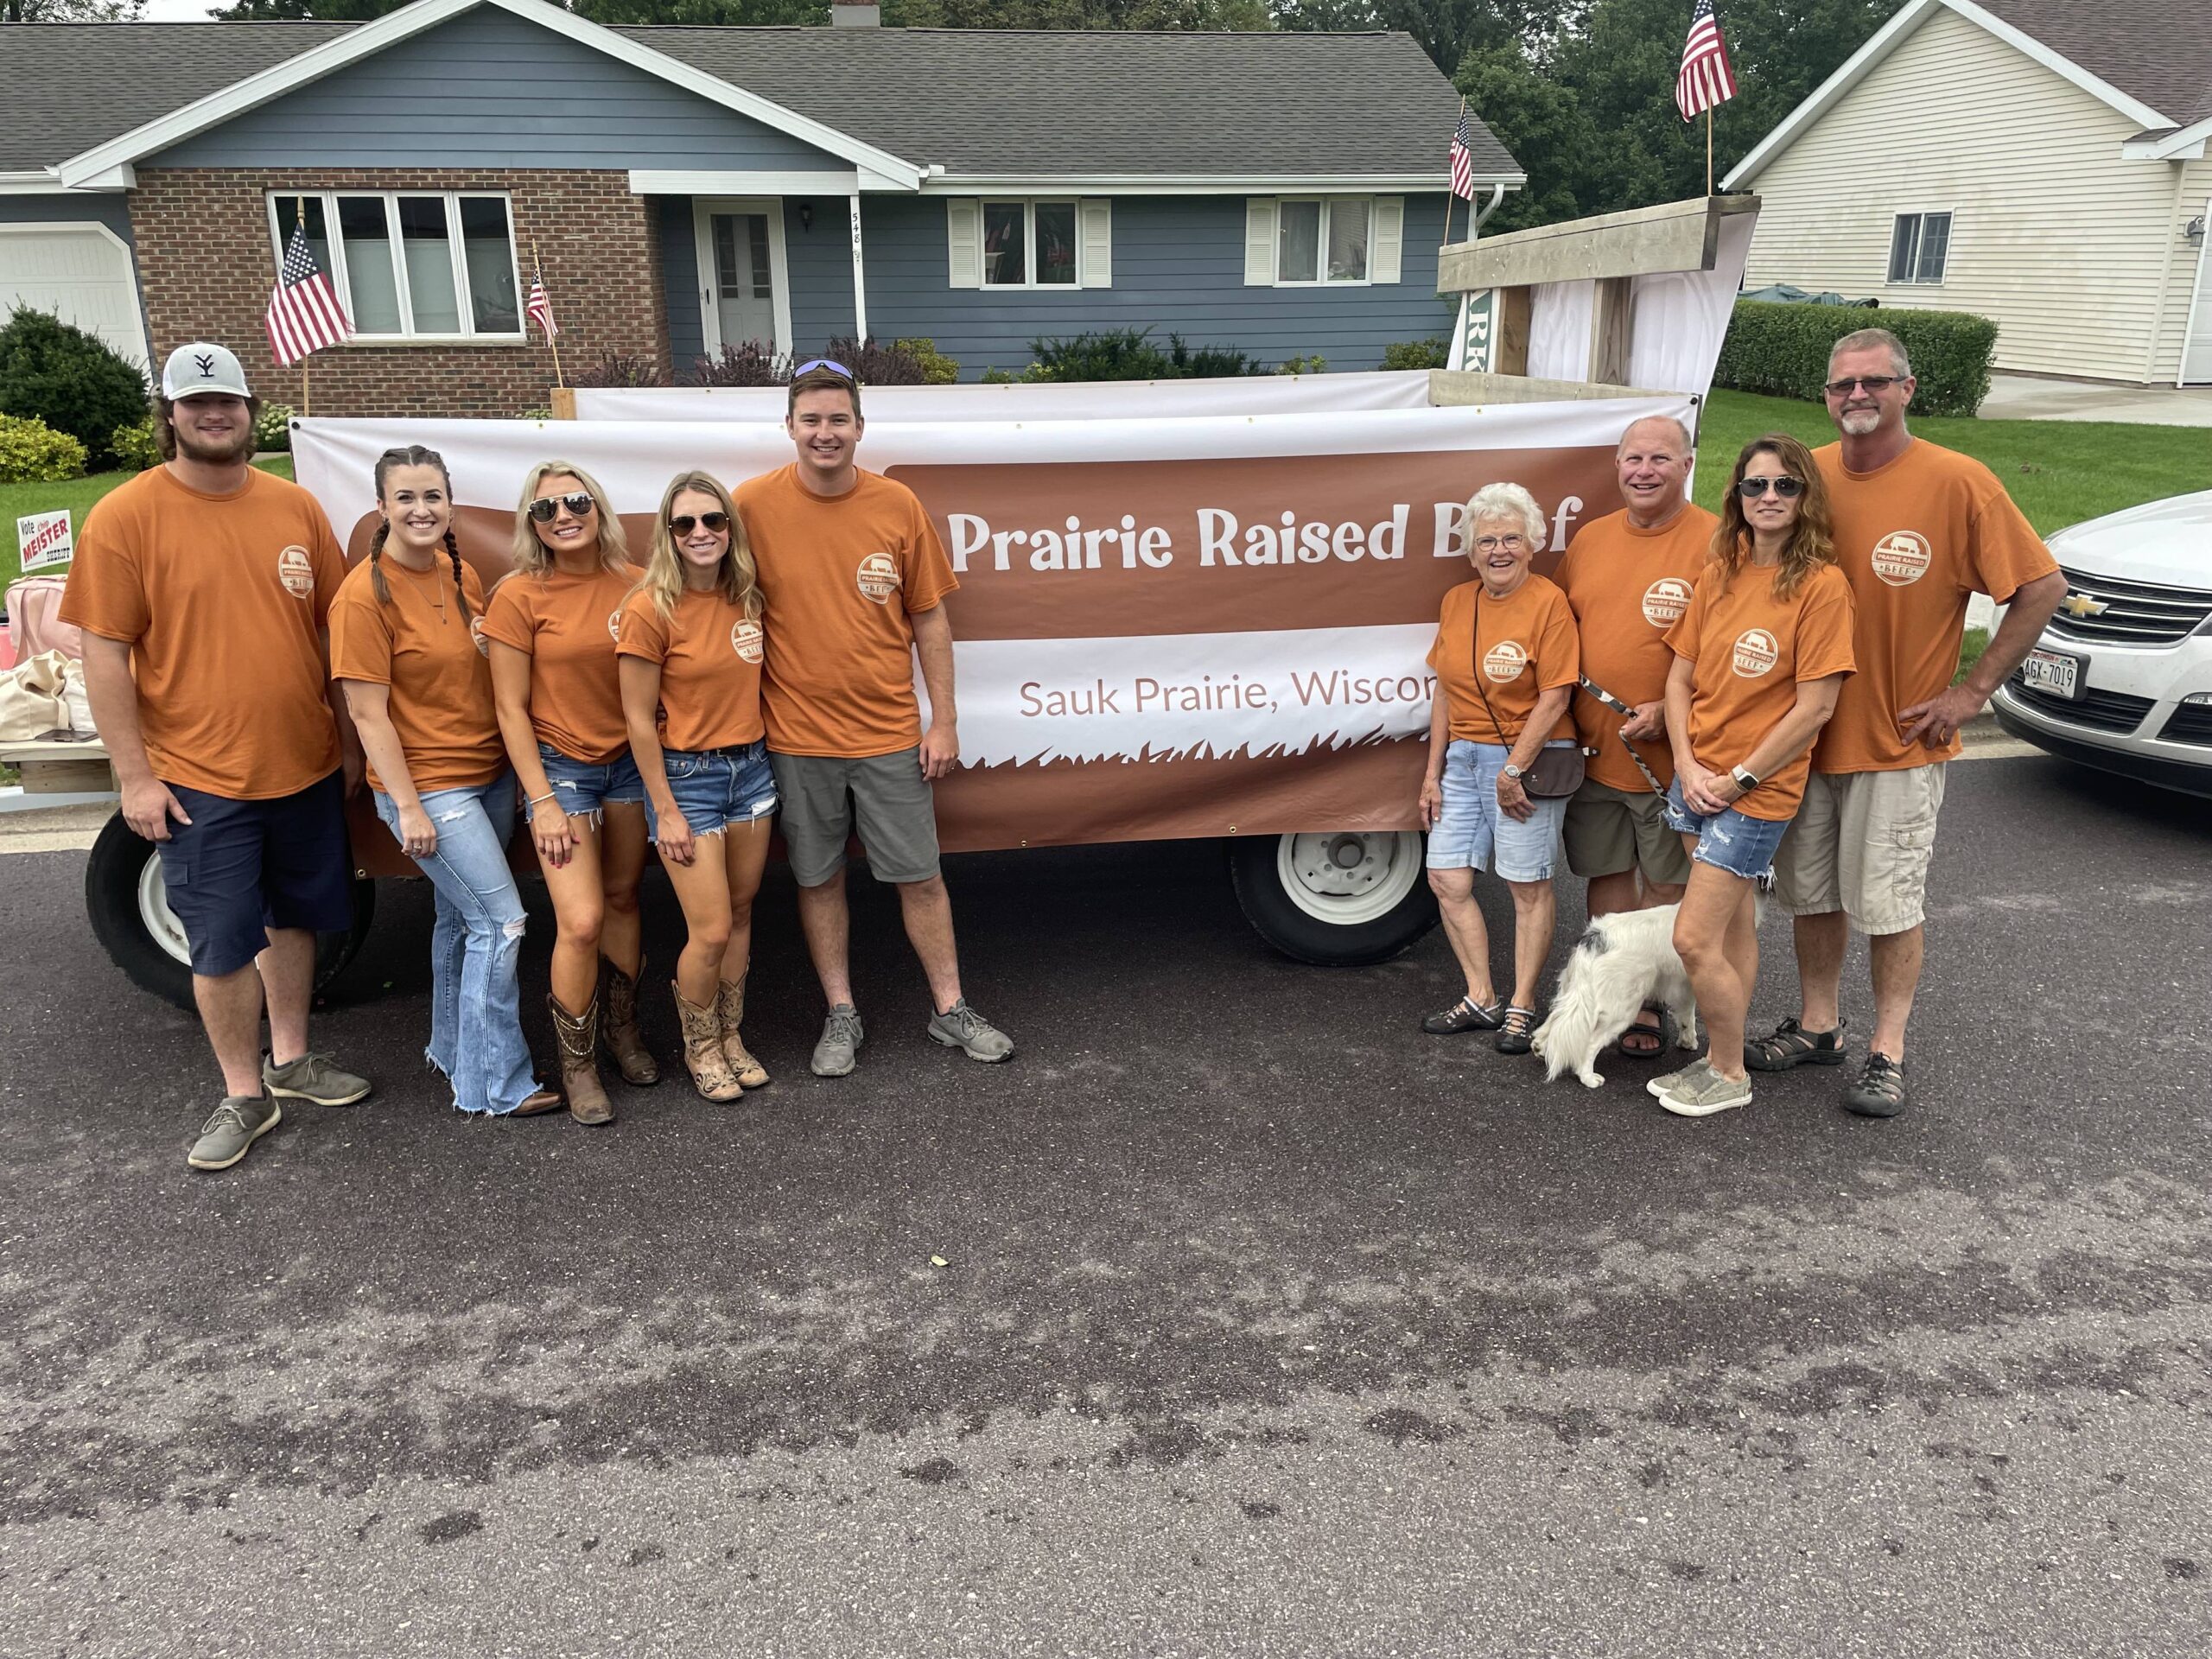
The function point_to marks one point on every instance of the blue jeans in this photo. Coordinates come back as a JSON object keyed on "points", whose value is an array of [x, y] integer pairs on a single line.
{"points": [[586, 787], [475, 1001], [1730, 841], [715, 788], [1472, 833]]}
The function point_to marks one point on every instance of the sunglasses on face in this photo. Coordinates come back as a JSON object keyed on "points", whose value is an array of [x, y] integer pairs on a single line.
{"points": [[579, 504], [829, 363], [684, 522], [1869, 382], [1787, 487]]}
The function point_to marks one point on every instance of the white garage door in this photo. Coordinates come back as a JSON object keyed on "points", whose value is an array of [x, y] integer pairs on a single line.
{"points": [[79, 272]]}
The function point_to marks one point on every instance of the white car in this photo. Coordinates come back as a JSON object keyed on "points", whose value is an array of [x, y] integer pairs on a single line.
{"points": [[2122, 676]]}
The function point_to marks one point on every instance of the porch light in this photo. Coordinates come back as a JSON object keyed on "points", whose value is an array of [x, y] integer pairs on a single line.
{"points": [[806, 217], [2194, 229]]}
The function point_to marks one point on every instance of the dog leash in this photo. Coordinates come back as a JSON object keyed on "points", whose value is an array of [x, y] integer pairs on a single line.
{"points": [[1619, 707]]}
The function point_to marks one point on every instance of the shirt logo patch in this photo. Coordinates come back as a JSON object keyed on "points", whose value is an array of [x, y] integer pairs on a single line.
{"points": [[296, 571], [476, 632], [614, 624], [1665, 601], [1504, 661], [878, 578], [1756, 653], [745, 639], [1902, 558]]}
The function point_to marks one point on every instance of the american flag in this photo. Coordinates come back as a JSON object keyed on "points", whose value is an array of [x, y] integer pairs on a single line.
{"points": [[539, 310], [1463, 159], [304, 314], [1706, 79]]}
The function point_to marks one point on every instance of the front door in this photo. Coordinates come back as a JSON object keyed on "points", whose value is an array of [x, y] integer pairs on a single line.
{"points": [[742, 294]]}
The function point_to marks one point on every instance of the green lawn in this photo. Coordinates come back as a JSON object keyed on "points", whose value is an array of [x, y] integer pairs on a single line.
{"points": [[78, 495], [2060, 471]]}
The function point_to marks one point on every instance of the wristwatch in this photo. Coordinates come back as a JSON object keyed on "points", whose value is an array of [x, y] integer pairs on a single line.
{"points": [[1745, 780], [1509, 770]]}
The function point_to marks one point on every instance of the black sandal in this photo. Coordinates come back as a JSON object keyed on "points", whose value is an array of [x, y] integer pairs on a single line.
{"points": [[1791, 1045], [1465, 1014], [1880, 1090], [1661, 1032], [1516, 1035]]}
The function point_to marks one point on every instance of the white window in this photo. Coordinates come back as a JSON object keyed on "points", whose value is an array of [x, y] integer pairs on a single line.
{"points": [[412, 264], [1032, 243], [1323, 241], [1919, 245]]}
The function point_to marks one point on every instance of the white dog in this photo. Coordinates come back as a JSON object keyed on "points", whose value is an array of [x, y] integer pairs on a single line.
{"points": [[1620, 962]]}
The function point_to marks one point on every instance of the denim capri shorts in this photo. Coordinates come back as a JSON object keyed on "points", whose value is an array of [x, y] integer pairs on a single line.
{"points": [[1728, 841], [1472, 834], [585, 786], [715, 788]]}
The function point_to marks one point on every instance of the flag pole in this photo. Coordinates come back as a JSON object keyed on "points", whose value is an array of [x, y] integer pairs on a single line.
{"points": [[537, 274], [1451, 196], [306, 407], [1708, 149]]}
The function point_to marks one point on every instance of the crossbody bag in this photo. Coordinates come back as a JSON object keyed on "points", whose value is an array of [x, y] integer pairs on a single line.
{"points": [[1555, 773]]}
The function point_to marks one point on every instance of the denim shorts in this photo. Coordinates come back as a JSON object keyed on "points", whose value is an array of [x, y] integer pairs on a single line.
{"points": [[1471, 833], [585, 786], [1728, 841], [714, 788], [241, 868]]}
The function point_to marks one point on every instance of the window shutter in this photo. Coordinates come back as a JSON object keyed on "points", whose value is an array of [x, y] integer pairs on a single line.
{"points": [[1097, 218], [1387, 239], [1260, 242], [963, 235]]}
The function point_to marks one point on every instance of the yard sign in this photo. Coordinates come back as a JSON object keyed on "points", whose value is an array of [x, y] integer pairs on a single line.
{"points": [[43, 539]]}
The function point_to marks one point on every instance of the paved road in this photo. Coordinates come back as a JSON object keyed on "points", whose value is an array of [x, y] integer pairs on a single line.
{"points": [[1266, 1325]]}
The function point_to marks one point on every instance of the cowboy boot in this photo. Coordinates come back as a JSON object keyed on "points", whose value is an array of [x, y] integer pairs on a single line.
{"points": [[618, 1030], [579, 1039], [729, 1009], [702, 1049]]}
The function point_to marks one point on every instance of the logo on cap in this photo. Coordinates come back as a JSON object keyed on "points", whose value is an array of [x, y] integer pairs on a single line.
{"points": [[207, 363]]}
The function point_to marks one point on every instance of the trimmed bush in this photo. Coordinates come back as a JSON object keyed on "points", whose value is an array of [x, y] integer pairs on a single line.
{"points": [[619, 369], [874, 364], [748, 363], [133, 447], [938, 369], [1783, 350], [1417, 353], [55, 372], [31, 452], [272, 430], [1132, 355], [1311, 363], [1024, 376]]}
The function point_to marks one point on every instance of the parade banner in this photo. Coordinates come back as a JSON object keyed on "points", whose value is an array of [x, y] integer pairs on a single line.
{"points": [[1165, 628]]}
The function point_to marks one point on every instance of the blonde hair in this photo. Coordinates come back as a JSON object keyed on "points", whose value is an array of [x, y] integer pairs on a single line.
{"points": [[1506, 501], [1812, 541], [532, 555], [662, 581]]}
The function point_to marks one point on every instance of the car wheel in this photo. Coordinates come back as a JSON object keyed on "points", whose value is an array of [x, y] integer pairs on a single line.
{"points": [[1336, 898]]}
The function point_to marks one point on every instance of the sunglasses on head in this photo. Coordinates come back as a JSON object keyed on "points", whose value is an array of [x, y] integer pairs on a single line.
{"points": [[578, 502], [1785, 486], [829, 363], [684, 522], [1870, 382]]}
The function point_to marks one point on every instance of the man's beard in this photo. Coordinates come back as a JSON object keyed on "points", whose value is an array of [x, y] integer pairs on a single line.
{"points": [[1857, 423], [191, 448]]}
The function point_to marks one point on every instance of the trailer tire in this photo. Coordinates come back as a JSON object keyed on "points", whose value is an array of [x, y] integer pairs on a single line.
{"points": [[127, 904], [1337, 898]]}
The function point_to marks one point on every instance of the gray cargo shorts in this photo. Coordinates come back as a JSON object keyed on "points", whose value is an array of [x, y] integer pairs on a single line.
{"points": [[826, 796]]}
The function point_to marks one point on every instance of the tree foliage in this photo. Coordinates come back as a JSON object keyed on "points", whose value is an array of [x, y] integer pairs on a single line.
{"points": [[71, 11], [917, 14]]}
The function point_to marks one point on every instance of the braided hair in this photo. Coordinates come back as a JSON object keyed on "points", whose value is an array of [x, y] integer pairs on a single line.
{"points": [[413, 454]]}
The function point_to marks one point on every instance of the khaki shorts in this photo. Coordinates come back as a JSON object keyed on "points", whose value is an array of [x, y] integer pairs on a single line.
{"points": [[1609, 830], [885, 797], [1862, 845]]}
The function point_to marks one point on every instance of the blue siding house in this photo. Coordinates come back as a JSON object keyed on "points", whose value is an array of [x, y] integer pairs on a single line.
{"points": [[681, 189]]}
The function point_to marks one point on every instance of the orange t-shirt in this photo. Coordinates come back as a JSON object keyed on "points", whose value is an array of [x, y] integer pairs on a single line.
{"points": [[1915, 539], [1528, 647], [1751, 652], [1626, 588], [840, 576], [222, 600], [419, 646], [567, 624], [710, 655]]}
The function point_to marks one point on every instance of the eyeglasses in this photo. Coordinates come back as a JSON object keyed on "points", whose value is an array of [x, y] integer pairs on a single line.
{"points": [[829, 363], [1869, 382], [683, 524], [578, 502], [1787, 487], [1491, 543]]}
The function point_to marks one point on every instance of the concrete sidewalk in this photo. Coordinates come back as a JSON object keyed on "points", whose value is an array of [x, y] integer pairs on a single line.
{"points": [[2031, 397]]}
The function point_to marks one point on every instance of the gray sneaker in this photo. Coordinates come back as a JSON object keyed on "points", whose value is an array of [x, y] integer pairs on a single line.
{"points": [[960, 1026], [835, 1055], [1697, 1068], [1705, 1094], [312, 1077], [240, 1121]]}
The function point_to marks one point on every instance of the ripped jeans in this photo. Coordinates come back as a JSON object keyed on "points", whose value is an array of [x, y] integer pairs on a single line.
{"points": [[475, 1001]]}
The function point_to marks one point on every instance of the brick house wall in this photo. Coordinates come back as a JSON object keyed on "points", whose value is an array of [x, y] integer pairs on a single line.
{"points": [[206, 269]]}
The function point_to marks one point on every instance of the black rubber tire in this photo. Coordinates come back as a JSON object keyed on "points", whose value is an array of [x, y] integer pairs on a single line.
{"points": [[111, 874], [1304, 937]]}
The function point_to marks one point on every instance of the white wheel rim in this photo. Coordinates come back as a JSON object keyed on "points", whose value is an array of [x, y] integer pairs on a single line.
{"points": [[1348, 877], [161, 922]]}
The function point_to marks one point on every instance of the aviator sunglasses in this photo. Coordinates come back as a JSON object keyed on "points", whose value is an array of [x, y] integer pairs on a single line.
{"points": [[578, 502], [1785, 486], [683, 523]]}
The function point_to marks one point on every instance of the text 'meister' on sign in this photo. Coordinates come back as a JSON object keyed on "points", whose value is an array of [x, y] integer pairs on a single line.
{"points": [[44, 540]]}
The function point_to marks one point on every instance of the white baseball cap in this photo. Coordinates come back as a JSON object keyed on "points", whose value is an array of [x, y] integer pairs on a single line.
{"points": [[200, 367]]}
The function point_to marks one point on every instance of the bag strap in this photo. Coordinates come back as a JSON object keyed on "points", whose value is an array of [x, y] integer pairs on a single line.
{"points": [[1475, 630]]}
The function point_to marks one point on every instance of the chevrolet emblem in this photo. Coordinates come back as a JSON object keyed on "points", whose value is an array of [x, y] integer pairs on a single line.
{"points": [[2080, 605]]}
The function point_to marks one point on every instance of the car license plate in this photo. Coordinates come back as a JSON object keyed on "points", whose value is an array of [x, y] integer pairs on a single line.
{"points": [[2053, 671]]}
